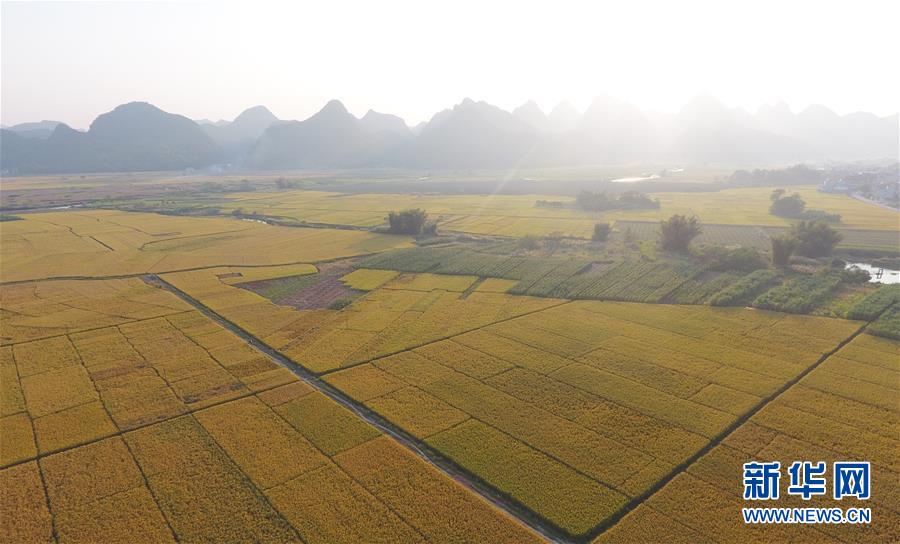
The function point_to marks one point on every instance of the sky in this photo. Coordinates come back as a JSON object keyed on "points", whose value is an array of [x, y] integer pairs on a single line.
{"points": [[72, 61]]}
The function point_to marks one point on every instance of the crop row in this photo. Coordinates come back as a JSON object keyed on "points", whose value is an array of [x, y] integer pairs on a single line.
{"points": [[744, 290], [888, 324], [642, 281], [700, 288], [875, 303], [799, 294]]}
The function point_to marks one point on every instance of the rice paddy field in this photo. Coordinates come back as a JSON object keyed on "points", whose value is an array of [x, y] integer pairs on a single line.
{"points": [[105, 243], [208, 379], [169, 428], [517, 215], [846, 408], [571, 410]]}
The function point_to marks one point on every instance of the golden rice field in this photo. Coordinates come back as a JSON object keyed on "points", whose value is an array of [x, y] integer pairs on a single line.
{"points": [[576, 409], [53, 308], [172, 429], [517, 215], [846, 409], [127, 415], [571, 409], [97, 243], [405, 312]]}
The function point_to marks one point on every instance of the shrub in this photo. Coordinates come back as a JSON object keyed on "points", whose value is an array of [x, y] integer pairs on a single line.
{"points": [[636, 200], [430, 229], [820, 215], [589, 201], [747, 259], [782, 249], [597, 202], [677, 232], [529, 242], [340, 303], [814, 238], [410, 221], [601, 232], [855, 275]]}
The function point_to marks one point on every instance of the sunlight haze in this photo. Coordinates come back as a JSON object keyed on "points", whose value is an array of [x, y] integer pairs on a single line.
{"points": [[74, 61]]}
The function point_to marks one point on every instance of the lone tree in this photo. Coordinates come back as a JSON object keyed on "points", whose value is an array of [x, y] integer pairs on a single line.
{"points": [[601, 232], [814, 238], [782, 249], [786, 205], [407, 221], [676, 233]]}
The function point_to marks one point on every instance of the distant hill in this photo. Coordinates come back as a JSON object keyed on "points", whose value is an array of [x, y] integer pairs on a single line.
{"points": [[470, 135], [532, 115], [237, 138], [332, 138], [133, 137], [562, 118], [473, 135], [374, 123], [610, 131]]}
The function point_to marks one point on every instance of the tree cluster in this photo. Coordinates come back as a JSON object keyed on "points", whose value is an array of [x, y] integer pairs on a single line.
{"points": [[793, 206], [676, 233], [806, 238], [413, 222], [629, 200], [601, 232]]}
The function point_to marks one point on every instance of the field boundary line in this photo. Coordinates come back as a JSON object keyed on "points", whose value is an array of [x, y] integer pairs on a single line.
{"points": [[498, 499], [718, 439]]}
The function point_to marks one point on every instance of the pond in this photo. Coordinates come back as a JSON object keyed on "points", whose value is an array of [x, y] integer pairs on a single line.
{"points": [[636, 179], [879, 274]]}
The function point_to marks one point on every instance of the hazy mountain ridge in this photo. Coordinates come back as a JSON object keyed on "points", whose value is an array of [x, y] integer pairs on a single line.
{"points": [[237, 137], [139, 136], [133, 137], [39, 129]]}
